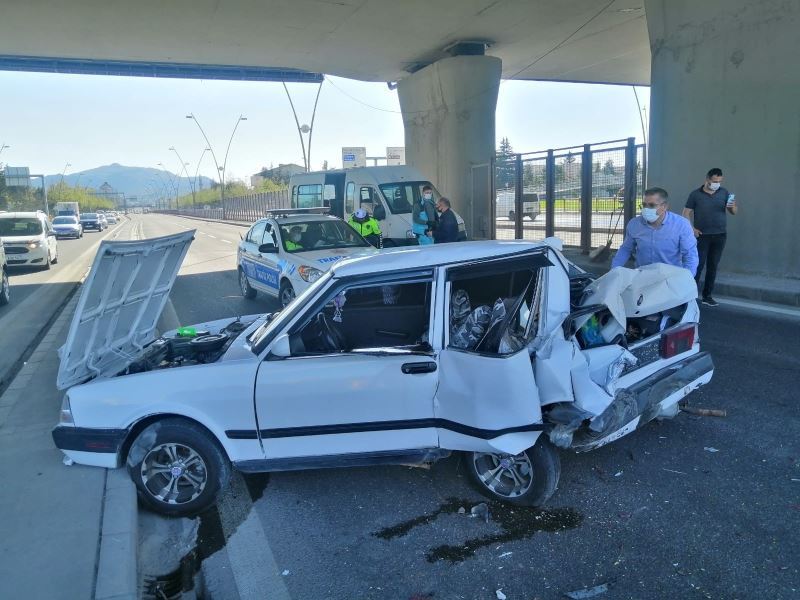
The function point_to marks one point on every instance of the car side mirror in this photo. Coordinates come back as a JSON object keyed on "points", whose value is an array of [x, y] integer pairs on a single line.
{"points": [[379, 212], [281, 347], [51, 233], [268, 249]]}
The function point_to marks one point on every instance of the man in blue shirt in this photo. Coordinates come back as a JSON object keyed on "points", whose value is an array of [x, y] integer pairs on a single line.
{"points": [[658, 236]]}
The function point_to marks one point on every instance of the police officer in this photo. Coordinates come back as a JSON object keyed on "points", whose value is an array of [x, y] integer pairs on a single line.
{"points": [[367, 226], [293, 239]]}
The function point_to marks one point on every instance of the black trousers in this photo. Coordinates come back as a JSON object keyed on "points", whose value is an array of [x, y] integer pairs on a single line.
{"points": [[709, 250]]}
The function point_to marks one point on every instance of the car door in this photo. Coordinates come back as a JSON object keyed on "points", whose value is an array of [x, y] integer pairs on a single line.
{"points": [[369, 395], [487, 398], [260, 273]]}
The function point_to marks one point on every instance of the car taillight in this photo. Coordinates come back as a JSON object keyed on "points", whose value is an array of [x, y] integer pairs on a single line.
{"points": [[677, 340]]}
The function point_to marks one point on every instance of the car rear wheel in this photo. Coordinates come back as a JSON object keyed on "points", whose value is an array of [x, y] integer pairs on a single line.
{"points": [[178, 467], [286, 293], [528, 479], [5, 288], [47, 262], [244, 285]]}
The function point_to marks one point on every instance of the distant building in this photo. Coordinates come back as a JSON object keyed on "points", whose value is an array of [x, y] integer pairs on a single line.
{"points": [[281, 173]]}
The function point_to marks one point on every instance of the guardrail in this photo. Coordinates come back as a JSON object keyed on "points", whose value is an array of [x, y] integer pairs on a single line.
{"points": [[243, 209]]}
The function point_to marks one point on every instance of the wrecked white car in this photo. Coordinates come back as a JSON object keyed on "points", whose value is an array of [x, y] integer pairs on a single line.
{"points": [[497, 350]]}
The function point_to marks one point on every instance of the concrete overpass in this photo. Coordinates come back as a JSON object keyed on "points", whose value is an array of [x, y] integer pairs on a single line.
{"points": [[725, 82]]}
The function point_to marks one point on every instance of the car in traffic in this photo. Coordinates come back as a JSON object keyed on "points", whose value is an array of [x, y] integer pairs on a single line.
{"points": [[102, 217], [28, 239], [67, 226], [498, 351], [506, 204], [92, 221], [111, 218], [281, 255], [5, 286]]}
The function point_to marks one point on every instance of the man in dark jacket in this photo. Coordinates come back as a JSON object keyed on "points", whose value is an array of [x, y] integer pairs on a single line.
{"points": [[447, 227]]}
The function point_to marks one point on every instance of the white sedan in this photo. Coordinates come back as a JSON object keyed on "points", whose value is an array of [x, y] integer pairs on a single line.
{"points": [[500, 351]]}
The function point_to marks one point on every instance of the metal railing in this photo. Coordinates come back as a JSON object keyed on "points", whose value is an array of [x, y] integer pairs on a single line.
{"points": [[241, 209], [583, 194]]}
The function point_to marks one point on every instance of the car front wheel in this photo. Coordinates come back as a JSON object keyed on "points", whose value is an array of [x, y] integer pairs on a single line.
{"points": [[178, 467], [244, 285], [528, 479], [286, 293]]}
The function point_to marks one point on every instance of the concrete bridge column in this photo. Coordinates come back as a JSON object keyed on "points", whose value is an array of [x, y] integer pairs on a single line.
{"points": [[448, 115], [726, 93]]}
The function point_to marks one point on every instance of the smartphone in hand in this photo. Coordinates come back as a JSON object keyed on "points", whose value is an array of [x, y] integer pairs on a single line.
{"points": [[731, 198]]}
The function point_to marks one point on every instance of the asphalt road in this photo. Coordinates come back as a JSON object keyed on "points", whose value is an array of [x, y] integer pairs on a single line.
{"points": [[694, 507]]}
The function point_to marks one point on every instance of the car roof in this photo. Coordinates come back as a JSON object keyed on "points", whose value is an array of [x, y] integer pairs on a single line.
{"points": [[16, 215], [289, 219], [419, 257]]}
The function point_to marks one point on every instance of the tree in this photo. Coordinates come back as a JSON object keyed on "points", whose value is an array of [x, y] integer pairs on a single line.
{"points": [[609, 168], [506, 169]]}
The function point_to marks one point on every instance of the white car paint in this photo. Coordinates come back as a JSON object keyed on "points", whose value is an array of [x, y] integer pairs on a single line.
{"points": [[264, 402]]}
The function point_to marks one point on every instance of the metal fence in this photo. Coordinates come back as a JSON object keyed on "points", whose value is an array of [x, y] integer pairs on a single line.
{"points": [[585, 195], [244, 209]]}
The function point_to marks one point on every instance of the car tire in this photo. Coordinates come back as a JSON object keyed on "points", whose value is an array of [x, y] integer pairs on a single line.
{"points": [[5, 288], [48, 262], [186, 448], [286, 293], [535, 477], [55, 258], [245, 287]]}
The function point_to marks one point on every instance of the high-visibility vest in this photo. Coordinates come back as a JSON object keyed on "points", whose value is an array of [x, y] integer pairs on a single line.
{"points": [[290, 245], [368, 227]]}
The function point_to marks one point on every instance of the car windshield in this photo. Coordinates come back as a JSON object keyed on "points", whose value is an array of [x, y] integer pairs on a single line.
{"points": [[65, 221], [304, 236], [262, 336], [88, 216], [12, 226], [401, 196]]}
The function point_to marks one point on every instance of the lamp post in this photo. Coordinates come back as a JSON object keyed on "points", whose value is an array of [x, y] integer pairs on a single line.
{"points": [[197, 170], [191, 183], [220, 169], [301, 129], [172, 184], [225, 162], [3, 147]]}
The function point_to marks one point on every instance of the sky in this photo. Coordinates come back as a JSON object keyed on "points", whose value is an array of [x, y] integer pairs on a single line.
{"points": [[49, 120]]}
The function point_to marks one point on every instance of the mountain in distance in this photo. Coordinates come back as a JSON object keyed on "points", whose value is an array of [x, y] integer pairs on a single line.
{"points": [[131, 181]]}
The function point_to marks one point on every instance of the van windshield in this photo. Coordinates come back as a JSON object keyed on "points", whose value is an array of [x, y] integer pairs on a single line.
{"points": [[12, 226], [401, 196]]}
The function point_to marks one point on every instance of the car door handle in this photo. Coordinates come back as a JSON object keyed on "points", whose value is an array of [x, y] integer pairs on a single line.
{"points": [[416, 368]]}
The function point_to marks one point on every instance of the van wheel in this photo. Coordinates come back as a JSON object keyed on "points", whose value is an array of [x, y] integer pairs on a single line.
{"points": [[286, 293], [245, 287], [5, 288], [178, 467], [527, 479]]}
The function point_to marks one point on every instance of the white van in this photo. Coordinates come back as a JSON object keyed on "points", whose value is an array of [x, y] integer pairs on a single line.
{"points": [[388, 193]]}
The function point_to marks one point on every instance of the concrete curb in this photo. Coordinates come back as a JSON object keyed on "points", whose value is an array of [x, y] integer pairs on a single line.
{"points": [[117, 568]]}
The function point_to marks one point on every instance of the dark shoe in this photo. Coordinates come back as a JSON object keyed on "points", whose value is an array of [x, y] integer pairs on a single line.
{"points": [[709, 301]]}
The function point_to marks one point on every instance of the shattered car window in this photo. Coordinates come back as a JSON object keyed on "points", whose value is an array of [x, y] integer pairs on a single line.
{"points": [[495, 313]]}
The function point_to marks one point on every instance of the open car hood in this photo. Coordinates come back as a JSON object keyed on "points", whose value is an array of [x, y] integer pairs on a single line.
{"points": [[119, 306]]}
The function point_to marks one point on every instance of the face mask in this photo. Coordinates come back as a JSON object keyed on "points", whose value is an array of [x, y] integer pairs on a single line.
{"points": [[650, 214], [714, 186], [295, 237], [427, 196]]}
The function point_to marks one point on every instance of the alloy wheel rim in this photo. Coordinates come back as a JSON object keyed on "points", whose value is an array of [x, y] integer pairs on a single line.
{"points": [[6, 287], [287, 296], [174, 473], [243, 283], [505, 475]]}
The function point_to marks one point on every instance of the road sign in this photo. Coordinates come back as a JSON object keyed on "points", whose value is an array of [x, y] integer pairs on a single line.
{"points": [[395, 155], [354, 157], [18, 176]]}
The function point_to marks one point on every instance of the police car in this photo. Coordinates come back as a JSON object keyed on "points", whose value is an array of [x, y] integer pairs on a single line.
{"points": [[284, 253]]}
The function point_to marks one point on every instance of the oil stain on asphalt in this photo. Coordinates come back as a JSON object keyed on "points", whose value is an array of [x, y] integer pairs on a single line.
{"points": [[516, 523]]}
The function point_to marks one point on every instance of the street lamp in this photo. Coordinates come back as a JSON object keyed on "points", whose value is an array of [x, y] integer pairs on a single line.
{"points": [[301, 129], [191, 183], [3, 147], [200, 160], [172, 184], [221, 169]]}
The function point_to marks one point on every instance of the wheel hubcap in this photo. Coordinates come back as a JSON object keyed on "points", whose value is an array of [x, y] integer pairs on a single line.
{"points": [[288, 296], [243, 282], [174, 473], [505, 475]]}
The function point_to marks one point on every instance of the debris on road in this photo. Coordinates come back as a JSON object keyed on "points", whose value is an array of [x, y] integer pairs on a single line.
{"points": [[702, 412], [710, 449], [504, 554], [587, 592], [67, 461], [500, 595], [462, 510], [674, 471], [285, 573], [481, 510]]}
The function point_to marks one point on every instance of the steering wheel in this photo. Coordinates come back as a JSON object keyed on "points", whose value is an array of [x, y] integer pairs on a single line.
{"points": [[329, 337]]}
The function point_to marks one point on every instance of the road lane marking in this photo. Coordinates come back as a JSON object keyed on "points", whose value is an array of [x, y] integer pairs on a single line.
{"points": [[226, 241], [212, 236]]}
